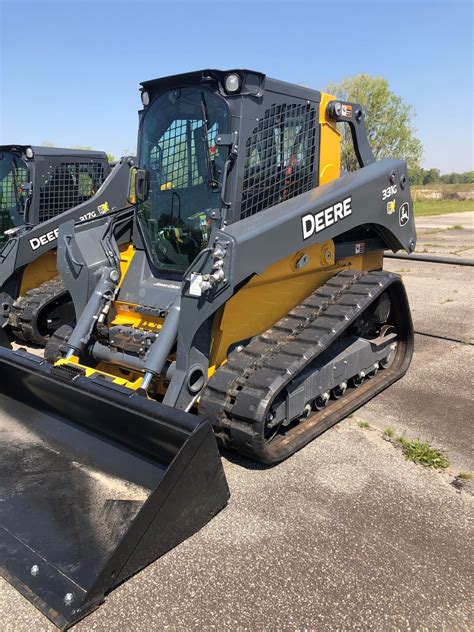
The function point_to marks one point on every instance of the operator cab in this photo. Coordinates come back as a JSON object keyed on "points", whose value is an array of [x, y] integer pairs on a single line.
{"points": [[216, 147]]}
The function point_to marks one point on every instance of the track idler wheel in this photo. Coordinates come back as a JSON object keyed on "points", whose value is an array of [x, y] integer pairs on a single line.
{"points": [[387, 362], [375, 370], [321, 401], [339, 390], [357, 380]]}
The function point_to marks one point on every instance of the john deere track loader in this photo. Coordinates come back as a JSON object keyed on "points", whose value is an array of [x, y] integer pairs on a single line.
{"points": [[252, 299], [40, 187]]}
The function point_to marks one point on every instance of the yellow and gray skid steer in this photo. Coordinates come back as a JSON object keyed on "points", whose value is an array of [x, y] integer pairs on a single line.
{"points": [[41, 187], [251, 307]]}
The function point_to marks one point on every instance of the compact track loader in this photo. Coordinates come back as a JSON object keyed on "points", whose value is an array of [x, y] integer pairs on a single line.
{"points": [[251, 300], [40, 187]]}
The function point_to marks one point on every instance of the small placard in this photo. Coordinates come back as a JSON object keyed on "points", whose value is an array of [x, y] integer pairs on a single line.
{"points": [[195, 285]]}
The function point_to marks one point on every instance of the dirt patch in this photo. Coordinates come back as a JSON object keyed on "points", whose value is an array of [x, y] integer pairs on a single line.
{"points": [[115, 488]]}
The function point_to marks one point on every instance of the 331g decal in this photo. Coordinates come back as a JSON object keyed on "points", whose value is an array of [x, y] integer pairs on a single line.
{"points": [[389, 191]]}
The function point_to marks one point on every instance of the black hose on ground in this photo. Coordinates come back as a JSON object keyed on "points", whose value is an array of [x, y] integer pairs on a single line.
{"points": [[452, 261]]}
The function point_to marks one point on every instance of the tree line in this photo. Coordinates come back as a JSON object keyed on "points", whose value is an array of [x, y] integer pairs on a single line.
{"points": [[418, 175]]}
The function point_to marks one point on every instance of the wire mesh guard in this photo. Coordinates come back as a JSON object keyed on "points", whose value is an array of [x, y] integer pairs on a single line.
{"points": [[175, 161], [280, 161], [67, 185], [10, 196]]}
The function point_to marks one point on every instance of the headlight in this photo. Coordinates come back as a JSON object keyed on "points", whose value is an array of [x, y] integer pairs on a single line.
{"points": [[145, 98], [232, 83], [29, 152]]}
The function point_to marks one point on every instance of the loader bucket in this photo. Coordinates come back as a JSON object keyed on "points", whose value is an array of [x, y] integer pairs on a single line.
{"points": [[96, 482]]}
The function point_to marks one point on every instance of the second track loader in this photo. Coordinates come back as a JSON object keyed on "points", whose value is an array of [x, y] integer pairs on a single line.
{"points": [[41, 187], [251, 300]]}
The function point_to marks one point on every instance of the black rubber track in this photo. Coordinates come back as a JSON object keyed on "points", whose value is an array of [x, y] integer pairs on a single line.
{"points": [[239, 395], [30, 312]]}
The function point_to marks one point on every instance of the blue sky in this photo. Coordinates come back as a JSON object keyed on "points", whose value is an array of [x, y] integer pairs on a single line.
{"points": [[70, 69]]}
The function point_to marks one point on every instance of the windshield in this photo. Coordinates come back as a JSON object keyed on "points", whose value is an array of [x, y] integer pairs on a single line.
{"points": [[13, 175], [185, 166]]}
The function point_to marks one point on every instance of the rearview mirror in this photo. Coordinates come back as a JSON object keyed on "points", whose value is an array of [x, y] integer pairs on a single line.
{"points": [[141, 185]]}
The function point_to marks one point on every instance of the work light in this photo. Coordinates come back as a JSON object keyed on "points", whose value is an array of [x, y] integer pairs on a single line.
{"points": [[232, 83]]}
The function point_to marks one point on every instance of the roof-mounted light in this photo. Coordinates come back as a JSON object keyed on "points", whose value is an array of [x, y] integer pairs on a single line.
{"points": [[145, 98], [232, 83], [29, 152]]}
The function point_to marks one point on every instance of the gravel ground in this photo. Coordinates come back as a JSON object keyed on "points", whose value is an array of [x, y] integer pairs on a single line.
{"points": [[346, 534]]}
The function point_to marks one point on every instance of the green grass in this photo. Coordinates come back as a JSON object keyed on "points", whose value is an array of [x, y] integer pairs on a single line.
{"points": [[440, 207], [389, 432], [364, 424], [456, 227], [422, 453]]}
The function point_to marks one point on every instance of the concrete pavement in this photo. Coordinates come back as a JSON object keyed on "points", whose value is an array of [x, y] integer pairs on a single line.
{"points": [[346, 534]]}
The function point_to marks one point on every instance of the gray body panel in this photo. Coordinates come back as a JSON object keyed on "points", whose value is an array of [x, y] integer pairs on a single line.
{"points": [[251, 245], [49, 152], [279, 229], [85, 250], [141, 287]]}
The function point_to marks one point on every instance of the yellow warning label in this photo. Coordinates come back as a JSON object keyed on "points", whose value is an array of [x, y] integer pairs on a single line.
{"points": [[103, 208], [346, 110]]}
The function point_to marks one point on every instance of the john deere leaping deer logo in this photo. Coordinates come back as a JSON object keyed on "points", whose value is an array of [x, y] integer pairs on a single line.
{"points": [[404, 213]]}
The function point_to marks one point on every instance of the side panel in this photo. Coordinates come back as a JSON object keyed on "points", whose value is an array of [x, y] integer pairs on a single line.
{"points": [[271, 295], [38, 271]]}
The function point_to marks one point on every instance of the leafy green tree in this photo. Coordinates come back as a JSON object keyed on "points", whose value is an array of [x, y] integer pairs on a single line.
{"points": [[416, 175], [430, 176], [387, 117]]}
